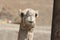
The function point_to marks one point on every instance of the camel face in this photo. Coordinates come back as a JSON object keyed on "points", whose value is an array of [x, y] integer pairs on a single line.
{"points": [[29, 16]]}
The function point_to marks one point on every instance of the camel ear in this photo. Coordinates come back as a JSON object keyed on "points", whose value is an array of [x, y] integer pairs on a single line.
{"points": [[36, 13], [21, 14]]}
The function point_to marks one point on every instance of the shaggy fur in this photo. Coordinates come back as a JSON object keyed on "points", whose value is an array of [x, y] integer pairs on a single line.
{"points": [[28, 18]]}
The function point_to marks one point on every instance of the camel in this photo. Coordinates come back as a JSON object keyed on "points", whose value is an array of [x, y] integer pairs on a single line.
{"points": [[28, 22]]}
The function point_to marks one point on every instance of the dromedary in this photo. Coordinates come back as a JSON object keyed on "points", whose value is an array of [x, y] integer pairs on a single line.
{"points": [[28, 21]]}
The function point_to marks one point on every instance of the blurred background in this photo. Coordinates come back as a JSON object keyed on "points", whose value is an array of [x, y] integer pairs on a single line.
{"points": [[9, 10], [9, 14]]}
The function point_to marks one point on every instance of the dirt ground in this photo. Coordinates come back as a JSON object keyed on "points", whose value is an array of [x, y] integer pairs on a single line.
{"points": [[11, 7]]}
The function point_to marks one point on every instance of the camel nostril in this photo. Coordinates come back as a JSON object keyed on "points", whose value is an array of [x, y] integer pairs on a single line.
{"points": [[30, 21]]}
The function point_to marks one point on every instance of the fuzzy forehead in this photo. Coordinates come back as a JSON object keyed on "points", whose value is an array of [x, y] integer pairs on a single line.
{"points": [[29, 11]]}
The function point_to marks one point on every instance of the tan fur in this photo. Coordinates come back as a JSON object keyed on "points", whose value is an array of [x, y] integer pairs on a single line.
{"points": [[26, 28]]}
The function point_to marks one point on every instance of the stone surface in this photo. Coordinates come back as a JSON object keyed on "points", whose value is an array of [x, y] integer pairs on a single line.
{"points": [[10, 32]]}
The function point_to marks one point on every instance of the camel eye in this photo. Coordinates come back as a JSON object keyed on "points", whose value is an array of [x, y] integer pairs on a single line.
{"points": [[22, 14], [35, 15]]}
